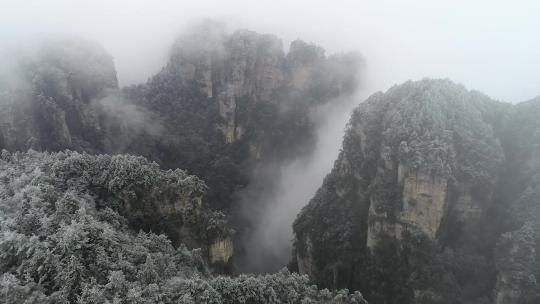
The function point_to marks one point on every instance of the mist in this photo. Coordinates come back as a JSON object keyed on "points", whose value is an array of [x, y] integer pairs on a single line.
{"points": [[482, 44], [268, 246], [126, 118], [491, 46]]}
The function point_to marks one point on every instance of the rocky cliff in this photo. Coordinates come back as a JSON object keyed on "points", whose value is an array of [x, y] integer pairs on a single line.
{"points": [[223, 103], [417, 202], [229, 101], [244, 70], [48, 101], [517, 254]]}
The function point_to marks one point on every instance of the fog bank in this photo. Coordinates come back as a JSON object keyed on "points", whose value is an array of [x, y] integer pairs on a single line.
{"points": [[482, 44], [269, 246]]}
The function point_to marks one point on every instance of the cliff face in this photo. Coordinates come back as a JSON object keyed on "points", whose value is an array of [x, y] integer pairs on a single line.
{"points": [[413, 204], [242, 70], [517, 254], [224, 103], [50, 105], [65, 96], [230, 101], [228, 68]]}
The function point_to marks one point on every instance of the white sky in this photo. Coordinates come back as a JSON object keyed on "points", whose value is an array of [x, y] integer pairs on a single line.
{"points": [[492, 46]]}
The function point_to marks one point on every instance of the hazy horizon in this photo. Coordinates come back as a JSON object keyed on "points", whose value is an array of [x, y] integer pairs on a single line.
{"points": [[483, 45]]}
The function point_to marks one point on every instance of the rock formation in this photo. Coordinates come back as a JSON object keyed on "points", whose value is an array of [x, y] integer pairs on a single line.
{"points": [[414, 207], [223, 103], [50, 107], [230, 101]]}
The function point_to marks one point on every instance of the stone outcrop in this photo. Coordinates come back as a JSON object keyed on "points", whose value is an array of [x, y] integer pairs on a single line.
{"points": [[517, 254], [229, 67], [253, 69], [224, 103], [424, 202], [228, 102], [434, 185], [249, 66], [221, 251], [304, 259], [51, 108]]}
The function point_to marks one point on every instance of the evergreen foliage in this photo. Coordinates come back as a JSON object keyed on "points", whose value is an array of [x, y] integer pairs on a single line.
{"points": [[483, 148], [63, 238]]}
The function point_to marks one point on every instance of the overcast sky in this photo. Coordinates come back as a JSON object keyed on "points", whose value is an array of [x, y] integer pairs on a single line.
{"points": [[492, 46]]}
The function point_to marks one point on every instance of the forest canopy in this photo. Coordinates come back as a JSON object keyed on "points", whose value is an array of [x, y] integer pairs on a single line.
{"points": [[63, 240]]}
